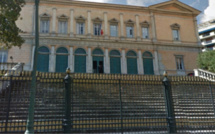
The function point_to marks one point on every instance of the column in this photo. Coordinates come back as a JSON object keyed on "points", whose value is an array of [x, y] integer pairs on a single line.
{"points": [[106, 25], [197, 33], [33, 21], [121, 26], [71, 23], [106, 62], [89, 23], [52, 60], [123, 63], [140, 62], [156, 63], [32, 57], [154, 36], [89, 61], [71, 59], [138, 27], [54, 20]]}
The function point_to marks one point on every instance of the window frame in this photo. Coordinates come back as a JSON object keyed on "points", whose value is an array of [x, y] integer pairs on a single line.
{"points": [[112, 34], [179, 66], [175, 32], [129, 24], [4, 56], [80, 20], [45, 18]]}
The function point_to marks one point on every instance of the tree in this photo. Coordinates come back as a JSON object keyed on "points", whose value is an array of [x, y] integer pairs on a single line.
{"points": [[206, 61], [9, 14]]}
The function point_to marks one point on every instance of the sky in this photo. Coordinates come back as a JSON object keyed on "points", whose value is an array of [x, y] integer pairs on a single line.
{"points": [[207, 7]]}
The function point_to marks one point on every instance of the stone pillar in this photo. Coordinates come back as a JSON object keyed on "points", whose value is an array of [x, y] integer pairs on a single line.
{"points": [[52, 60], [156, 63], [89, 61], [138, 27], [197, 33], [106, 25], [32, 57], [89, 23], [71, 23], [154, 36], [140, 62], [71, 59], [123, 63], [54, 20], [106, 62], [33, 21], [121, 26]]}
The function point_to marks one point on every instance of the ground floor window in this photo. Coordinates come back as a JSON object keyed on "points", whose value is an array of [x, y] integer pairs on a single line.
{"points": [[43, 59], [148, 63], [80, 60], [131, 62], [61, 59]]}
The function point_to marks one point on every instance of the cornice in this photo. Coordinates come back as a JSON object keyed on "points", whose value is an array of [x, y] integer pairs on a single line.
{"points": [[110, 6]]}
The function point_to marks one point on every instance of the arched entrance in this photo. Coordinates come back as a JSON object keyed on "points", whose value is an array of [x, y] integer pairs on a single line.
{"points": [[115, 62], [43, 59], [131, 62], [80, 60], [148, 63], [61, 59], [98, 61]]}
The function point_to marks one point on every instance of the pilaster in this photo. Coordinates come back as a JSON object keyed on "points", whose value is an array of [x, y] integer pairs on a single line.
{"points": [[140, 63], [89, 61], [52, 60], [106, 62]]}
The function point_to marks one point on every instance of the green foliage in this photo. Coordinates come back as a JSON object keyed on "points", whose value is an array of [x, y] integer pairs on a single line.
{"points": [[206, 61], [9, 14]]}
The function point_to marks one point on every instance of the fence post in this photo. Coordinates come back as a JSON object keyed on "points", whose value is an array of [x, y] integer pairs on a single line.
{"points": [[120, 98], [212, 97], [67, 108], [169, 105], [9, 87]]}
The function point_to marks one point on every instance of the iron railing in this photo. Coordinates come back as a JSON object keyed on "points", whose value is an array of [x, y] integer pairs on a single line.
{"points": [[108, 104]]}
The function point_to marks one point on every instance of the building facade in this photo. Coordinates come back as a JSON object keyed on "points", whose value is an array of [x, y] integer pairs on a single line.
{"points": [[207, 34], [107, 38]]}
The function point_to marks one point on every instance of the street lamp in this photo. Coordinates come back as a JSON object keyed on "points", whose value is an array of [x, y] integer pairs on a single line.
{"points": [[30, 121]]}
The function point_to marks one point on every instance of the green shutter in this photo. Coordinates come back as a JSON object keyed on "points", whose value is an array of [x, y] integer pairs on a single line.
{"points": [[148, 66], [132, 65], [80, 64], [98, 59], [61, 63], [43, 63], [115, 65]]}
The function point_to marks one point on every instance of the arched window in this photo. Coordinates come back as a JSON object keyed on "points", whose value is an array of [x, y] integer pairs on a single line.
{"points": [[43, 59], [148, 63], [80, 60], [131, 62], [115, 62], [61, 59], [98, 61]]}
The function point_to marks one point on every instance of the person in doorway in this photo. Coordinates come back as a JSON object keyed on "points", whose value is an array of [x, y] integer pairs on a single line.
{"points": [[100, 69]]}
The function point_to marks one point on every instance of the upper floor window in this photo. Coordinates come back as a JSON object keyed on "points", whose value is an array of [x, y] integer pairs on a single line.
{"points": [[113, 27], [129, 28], [44, 23], [206, 34], [80, 25], [179, 62], [145, 30], [62, 24], [3, 56], [97, 26], [175, 32]]}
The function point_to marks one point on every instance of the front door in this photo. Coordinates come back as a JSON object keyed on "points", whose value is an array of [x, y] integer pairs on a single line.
{"points": [[98, 64]]}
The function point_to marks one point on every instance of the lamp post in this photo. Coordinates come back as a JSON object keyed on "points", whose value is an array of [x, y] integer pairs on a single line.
{"points": [[30, 121]]}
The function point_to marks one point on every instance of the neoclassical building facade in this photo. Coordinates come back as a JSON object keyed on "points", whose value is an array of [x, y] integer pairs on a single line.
{"points": [[107, 38]]}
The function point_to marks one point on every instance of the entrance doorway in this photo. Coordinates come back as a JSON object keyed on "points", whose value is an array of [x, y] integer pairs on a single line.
{"points": [[98, 64]]}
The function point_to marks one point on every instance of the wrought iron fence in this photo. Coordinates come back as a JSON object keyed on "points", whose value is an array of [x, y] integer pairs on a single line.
{"points": [[93, 103]]}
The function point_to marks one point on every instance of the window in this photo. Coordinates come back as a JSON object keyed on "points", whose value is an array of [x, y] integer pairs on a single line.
{"points": [[80, 28], [129, 32], [80, 25], [3, 56], [179, 63], [62, 27], [175, 31], [145, 32], [175, 35], [97, 29], [44, 26], [113, 30], [206, 34], [44, 23]]}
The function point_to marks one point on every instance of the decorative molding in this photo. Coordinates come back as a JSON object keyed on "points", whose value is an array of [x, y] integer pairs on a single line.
{"points": [[129, 22], [63, 17], [144, 24], [80, 19], [175, 26], [113, 21], [45, 16], [97, 20]]}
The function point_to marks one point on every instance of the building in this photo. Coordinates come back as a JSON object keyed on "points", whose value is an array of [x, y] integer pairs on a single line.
{"points": [[118, 39], [207, 34]]}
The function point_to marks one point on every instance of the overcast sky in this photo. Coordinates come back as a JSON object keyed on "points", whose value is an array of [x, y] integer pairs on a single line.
{"points": [[207, 7]]}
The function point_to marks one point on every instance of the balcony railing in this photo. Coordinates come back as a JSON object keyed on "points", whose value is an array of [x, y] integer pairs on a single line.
{"points": [[204, 74]]}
